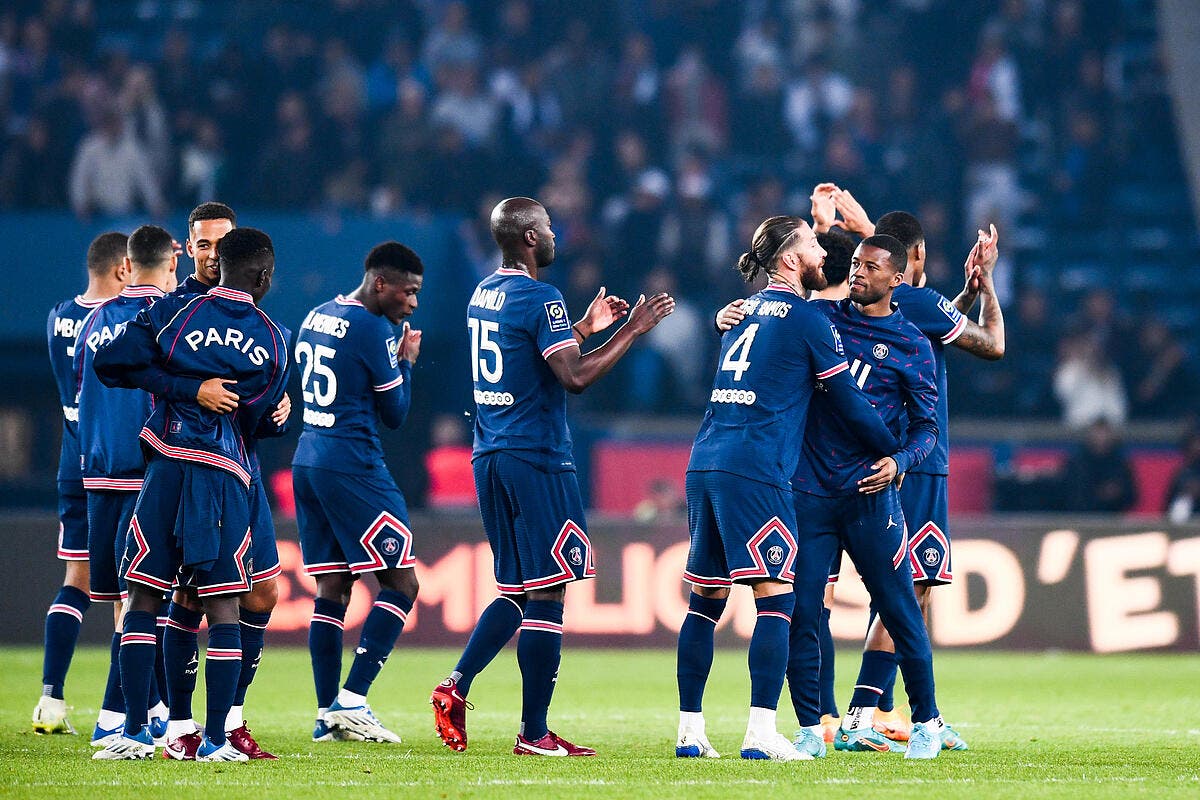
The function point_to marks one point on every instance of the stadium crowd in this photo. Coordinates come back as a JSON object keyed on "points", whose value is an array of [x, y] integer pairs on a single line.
{"points": [[657, 133]]}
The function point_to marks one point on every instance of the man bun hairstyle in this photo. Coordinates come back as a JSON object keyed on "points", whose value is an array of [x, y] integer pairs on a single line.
{"points": [[245, 251], [211, 210], [106, 251], [839, 250], [149, 246], [897, 253], [769, 239], [393, 257], [902, 225]]}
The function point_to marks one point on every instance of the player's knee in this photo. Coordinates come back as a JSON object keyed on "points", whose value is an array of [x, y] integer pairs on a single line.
{"points": [[77, 575], [142, 599], [555, 594], [712, 592], [221, 610], [335, 587], [403, 581], [262, 598], [188, 599]]}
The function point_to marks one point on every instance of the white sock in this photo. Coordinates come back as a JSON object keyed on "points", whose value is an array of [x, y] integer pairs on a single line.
{"points": [[816, 730], [180, 727], [159, 711], [936, 724], [321, 713], [762, 722], [348, 699], [691, 721], [110, 719], [859, 718], [234, 719]]}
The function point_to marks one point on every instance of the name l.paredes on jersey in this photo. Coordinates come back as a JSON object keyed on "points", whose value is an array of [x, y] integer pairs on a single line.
{"points": [[231, 337], [326, 324], [491, 299]]}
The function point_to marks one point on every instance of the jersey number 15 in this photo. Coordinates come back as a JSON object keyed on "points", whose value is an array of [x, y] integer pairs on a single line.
{"points": [[482, 342]]}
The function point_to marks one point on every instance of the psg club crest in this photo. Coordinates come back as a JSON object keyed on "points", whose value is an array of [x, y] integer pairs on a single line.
{"points": [[575, 556], [775, 555], [390, 546], [880, 351], [931, 555]]}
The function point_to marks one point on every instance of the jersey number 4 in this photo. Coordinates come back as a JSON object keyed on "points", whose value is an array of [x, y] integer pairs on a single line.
{"points": [[482, 342], [737, 360], [312, 358]]}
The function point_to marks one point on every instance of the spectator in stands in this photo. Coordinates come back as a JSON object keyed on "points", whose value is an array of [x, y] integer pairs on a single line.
{"points": [[112, 174], [1183, 498], [146, 120], [1098, 476], [1087, 383], [1031, 358], [31, 173], [1161, 375]]}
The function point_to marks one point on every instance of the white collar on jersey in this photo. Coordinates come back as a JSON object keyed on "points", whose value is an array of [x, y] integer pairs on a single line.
{"points": [[231, 294], [142, 291]]}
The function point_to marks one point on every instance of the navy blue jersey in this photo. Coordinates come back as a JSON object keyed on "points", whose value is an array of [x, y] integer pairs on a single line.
{"points": [[516, 323], [769, 366], [942, 323], [62, 327], [189, 286], [892, 362], [221, 334], [351, 375], [110, 418]]}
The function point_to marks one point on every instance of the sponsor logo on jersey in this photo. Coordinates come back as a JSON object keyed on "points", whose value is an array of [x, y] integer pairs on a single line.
{"points": [[319, 419], [739, 396], [880, 351], [393, 349], [775, 554], [556, 313], [494, 398]]}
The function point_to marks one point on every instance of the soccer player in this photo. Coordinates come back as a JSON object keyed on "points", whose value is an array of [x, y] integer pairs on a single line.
{"points": [[111, 458], [192, 519], [525, 356], [924, 493], [207, 223], [739, 498], [844, 504], [353, 519], [106, 278]]}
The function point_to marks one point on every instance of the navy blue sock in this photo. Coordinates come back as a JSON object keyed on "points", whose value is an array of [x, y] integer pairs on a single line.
{"points": [[114, 698], [379, 633], [496, 626], [63, 621], [828, 703], [138, 645], [181, 658], [769, 649], [694, 654], [160, 666], [876, 666], [254, 628], [325, 648], [539, 650], [222, 665], [887, 700]]}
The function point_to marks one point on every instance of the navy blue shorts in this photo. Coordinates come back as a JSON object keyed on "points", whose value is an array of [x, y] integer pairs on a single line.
{"points": [[72, 521], [927, 508], [263, 552], [351, 523], [835, 566], [867, 527], [742, 530], [534, 522], [191, 526], [108, 515]]}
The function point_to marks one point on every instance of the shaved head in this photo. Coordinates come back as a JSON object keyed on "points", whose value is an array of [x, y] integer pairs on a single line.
{"points": [[520, 226]]}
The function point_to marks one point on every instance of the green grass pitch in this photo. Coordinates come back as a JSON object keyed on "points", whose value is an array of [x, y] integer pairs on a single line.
{"points": [[1040, 726]]}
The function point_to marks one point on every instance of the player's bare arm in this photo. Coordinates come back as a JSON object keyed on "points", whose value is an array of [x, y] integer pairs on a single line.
{"points": [[576, 371], [854, 216], [983, 256], [824, 210], [601, 313], [985, 339]]}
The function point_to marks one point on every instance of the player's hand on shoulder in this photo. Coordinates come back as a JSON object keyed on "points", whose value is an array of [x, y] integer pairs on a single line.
{"points": [[730, 315], [282, 411], [602, 312], [885, 472], [648, 313], [214, 395], [410, 344]]}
